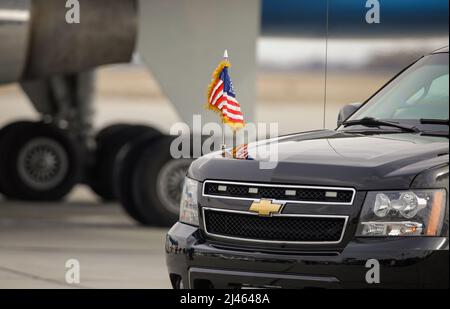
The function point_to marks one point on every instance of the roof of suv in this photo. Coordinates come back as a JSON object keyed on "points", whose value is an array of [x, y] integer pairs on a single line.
{"points": [[441, 50]]}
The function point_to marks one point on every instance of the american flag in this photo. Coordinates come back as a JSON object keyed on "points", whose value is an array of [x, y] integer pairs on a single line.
{"points": [[222, 98], [241, 152]]}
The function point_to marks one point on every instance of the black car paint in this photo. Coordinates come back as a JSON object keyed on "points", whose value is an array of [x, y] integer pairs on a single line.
{"points": [[333, 158], [337, 158]]}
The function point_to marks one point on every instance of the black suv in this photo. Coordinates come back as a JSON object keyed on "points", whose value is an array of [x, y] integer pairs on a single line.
{"points": [[362, 206]]}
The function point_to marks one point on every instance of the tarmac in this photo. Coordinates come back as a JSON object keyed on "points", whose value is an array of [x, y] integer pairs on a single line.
{"points": [[37, 239]]}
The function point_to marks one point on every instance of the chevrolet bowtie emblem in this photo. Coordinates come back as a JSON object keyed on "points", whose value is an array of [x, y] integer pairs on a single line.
{"points": [[266, 208]]}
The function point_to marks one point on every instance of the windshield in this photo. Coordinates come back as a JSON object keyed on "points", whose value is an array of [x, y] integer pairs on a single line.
{"points": [[421, 92]]}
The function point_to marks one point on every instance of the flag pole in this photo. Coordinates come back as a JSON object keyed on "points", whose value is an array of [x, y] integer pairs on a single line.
{"points": [[225, 57], [234, 144], [223, 138]]}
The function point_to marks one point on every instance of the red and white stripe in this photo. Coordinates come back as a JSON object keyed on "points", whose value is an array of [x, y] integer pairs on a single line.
{"points": [[241, 152], [217, 93], [228, 105]]}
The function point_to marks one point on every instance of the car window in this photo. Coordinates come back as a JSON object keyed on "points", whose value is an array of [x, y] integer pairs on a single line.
{"points": [[422, 91], [438, 89]]}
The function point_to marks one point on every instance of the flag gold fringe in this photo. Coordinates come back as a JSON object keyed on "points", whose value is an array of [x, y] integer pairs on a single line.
{"points": [[215, 77], [234, 125]]}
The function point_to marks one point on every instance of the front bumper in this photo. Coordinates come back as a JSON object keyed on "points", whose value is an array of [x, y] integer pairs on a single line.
{"points": [[414, 262]]}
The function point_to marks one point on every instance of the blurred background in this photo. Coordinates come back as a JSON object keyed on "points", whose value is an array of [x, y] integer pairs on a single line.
{"points": [[289, 84], [295, 63]]}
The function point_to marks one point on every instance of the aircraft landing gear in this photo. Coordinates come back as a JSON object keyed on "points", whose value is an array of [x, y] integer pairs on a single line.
{"points": [[110, 141], [45, 160], [42, 162], [38, 162]]}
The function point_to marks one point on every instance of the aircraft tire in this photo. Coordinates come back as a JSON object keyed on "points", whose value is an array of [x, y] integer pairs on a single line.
{"points": [[110, 141], [123, 174], [38, 162], [155, 183], [5, 187]]}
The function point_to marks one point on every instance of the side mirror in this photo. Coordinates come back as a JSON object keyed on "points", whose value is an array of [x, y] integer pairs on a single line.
{"points": [[347, 111]]}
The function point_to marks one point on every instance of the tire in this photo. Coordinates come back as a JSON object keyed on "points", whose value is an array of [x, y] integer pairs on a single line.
{"points": [[39, 162], [157, 184], [5, 187], [109, 142], [108, 131], [123, 174]]}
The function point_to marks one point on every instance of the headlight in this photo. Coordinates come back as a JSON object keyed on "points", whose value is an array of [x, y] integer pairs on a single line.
{"points": [[406, 213], [188, 203]]}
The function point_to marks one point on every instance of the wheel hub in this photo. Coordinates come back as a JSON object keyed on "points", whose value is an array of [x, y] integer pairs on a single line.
{"points": [[42, 164], [170, 183]]}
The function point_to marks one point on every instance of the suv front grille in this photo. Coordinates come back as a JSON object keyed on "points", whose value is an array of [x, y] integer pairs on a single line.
{"points": [[277, 228], [300, 194]]}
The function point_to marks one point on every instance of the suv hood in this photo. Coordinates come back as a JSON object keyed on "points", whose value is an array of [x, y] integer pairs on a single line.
{"points": [[332, 158]]}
